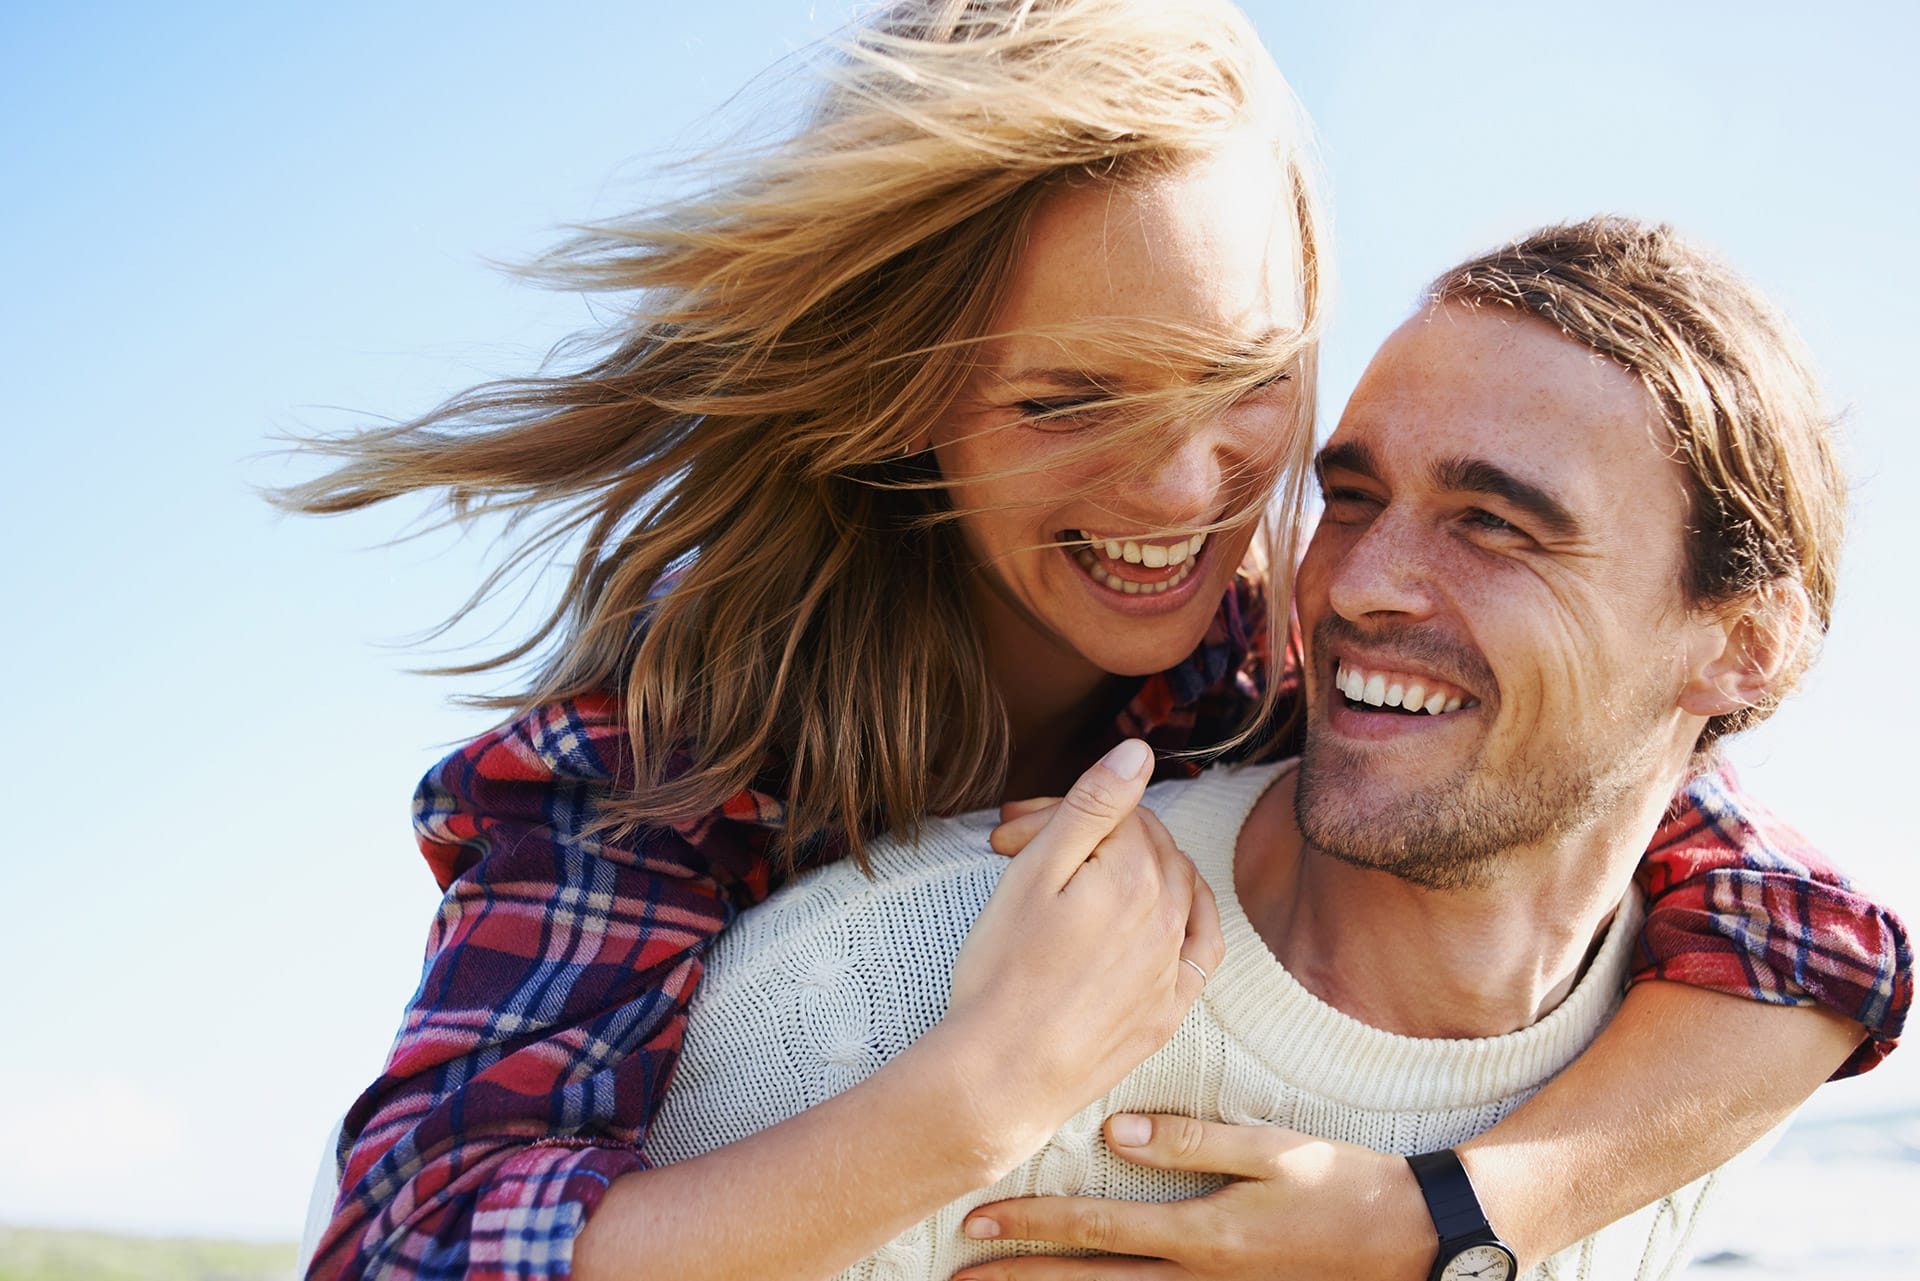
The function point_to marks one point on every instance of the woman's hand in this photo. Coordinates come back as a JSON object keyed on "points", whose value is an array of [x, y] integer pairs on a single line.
{"points": [[1075, 971], [1301, 1208]]}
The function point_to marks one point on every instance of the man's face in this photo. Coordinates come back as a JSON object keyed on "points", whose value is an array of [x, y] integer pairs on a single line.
{"points": [[1501, 555]]}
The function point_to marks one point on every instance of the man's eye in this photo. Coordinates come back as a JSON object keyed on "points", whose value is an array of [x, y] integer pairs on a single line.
{"points": [[1346, 504], [1488, 521]]}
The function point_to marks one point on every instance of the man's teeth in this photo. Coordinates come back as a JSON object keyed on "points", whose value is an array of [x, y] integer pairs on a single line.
{"points": [[1147, 555], [1394, 689]]}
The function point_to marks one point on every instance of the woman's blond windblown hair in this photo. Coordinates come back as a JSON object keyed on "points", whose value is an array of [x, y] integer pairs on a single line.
{"points": [[751, 421]]}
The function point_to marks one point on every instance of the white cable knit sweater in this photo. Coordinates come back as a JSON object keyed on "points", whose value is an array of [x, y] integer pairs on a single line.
{"points": [[811, 991]]}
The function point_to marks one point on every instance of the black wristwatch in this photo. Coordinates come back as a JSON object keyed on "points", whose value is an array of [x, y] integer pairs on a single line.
{"points": [[1470, 1250]]}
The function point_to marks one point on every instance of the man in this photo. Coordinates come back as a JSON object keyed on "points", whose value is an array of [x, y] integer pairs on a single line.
{"points": [[1581, 520]]}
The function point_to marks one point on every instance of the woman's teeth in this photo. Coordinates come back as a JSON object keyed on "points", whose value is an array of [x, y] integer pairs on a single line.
{"points": [[1152, 555], [1181, 555], [1410, 693]]}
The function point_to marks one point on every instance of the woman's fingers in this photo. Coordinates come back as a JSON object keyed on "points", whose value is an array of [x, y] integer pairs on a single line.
{"points": [[1014, 834], [1098, 802], [1186, 891], [1204, 946], [1083, 937], [1034, 804]]}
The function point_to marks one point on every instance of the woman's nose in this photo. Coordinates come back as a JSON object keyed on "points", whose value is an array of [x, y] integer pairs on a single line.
{"points": [[1187, 484]]}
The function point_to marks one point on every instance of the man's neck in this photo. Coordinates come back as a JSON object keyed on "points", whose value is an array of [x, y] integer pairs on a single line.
{"points": [[1463, 963]]}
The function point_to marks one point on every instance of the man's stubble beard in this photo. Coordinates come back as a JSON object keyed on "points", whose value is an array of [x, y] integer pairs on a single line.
{"points": [[1457, 833], [1452, 835]]}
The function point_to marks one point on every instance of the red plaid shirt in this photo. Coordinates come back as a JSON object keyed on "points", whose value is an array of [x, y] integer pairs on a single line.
{"points": [[550, 1011]]}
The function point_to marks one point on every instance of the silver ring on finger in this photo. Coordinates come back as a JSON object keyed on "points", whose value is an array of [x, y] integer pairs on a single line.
{"points": [[1196, 969]]}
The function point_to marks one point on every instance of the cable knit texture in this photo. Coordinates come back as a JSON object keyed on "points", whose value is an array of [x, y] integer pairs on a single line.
{"points": [[813, 990]]}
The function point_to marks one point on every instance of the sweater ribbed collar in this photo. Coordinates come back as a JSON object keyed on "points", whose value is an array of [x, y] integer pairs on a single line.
{"points": [[1334, 1055]]}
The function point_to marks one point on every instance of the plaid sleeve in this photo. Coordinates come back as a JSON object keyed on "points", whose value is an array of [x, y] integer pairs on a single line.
{"points": [[550, 1009], [1741, 903]]}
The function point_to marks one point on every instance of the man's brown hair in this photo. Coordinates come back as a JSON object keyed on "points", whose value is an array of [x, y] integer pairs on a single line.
{"points": [[1736, 389]]}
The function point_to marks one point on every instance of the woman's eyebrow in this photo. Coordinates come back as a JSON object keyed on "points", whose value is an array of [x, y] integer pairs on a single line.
{"points": [[1262, 345], [1067, 378]]}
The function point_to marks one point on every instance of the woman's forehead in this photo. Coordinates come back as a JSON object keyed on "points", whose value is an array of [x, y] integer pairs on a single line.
{"points": [[1116, 274], [1212, 239]]}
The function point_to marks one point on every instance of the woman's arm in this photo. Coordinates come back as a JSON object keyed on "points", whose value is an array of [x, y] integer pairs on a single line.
{"points": [[1070, 976], [810, 1196], [558, 967], [1680, 1083], [536, 1051]]}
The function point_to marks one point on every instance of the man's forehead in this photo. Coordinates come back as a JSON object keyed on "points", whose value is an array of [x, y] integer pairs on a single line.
{"points": [[1457, 390]]}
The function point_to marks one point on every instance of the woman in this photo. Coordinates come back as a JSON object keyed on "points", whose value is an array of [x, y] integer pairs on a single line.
{"points": [[907, 485]]}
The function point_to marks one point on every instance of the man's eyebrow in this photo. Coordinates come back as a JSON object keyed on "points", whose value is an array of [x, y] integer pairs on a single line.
{"points": [[1347, 455], [1478, 476]]}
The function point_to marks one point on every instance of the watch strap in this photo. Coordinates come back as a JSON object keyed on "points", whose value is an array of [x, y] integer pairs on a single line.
{"points": [[1450, 1198]]}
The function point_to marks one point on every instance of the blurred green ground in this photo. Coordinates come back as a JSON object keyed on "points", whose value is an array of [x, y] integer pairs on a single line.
{"points": [[35, 1254]]}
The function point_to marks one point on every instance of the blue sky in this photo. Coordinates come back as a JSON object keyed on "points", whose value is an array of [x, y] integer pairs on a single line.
{"points": [[224, 221]]}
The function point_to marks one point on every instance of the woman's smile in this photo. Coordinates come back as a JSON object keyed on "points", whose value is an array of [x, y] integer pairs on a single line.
{"points": [[1135, 587], [1130, 567], [1105, 544]]}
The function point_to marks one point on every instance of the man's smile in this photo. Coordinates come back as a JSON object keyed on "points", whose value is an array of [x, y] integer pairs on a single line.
{"points": [[1408, 693]]}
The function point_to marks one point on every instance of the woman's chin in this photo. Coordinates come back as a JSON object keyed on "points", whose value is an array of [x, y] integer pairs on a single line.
{"points": [[1125, 638]]}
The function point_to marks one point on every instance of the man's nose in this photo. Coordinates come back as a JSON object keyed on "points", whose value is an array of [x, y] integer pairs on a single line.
{"points": [[1388, 568]]}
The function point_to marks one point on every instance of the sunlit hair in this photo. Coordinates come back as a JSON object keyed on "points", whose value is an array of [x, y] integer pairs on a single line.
{"points": [[737, 458], [1767, 498]]}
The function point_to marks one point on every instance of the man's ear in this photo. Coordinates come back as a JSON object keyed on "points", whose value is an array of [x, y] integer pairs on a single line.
{"points": [[1746, 657]]}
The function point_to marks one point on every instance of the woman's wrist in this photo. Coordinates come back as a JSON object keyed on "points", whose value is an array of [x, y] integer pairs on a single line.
{"points": [[1000, 1105]]}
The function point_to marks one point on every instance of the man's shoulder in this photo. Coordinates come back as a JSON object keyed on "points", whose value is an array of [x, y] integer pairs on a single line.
{"points": [[917, 897]]}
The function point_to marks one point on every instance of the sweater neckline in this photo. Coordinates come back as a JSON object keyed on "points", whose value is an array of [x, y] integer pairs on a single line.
{"points": [[1335, 1055]]}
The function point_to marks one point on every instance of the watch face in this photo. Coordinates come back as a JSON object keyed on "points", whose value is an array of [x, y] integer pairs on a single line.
{"points": [[1479, 1263]]}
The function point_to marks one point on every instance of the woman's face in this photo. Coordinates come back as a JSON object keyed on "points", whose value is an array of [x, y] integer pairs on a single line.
{"points": [[1086, 560]]}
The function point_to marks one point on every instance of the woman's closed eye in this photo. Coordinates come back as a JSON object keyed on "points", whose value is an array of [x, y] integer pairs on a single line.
{"points": [[1060, 413]]}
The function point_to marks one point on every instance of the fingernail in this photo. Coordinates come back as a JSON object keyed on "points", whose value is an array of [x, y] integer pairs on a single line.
{"points": [[1129, 759], [981, 1229], [1129, 1131]]}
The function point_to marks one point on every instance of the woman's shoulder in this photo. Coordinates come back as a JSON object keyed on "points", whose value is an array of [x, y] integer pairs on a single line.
{"points": [[548, 776], [583, 738]]}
